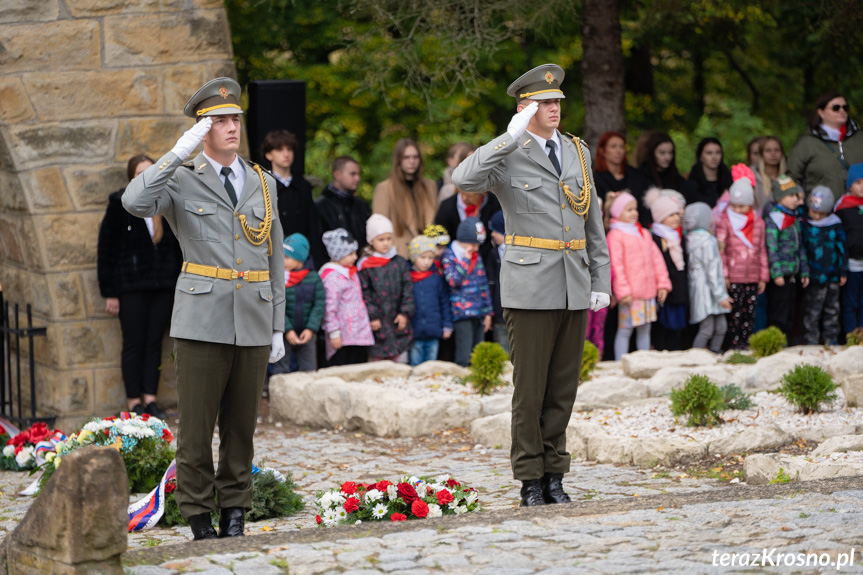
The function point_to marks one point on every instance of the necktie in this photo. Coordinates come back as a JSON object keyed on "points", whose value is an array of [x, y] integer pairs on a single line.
{"points": [[552, 155], [228, 186]]}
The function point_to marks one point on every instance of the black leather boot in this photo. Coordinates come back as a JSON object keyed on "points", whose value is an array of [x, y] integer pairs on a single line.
{"points": [[232, 520], [552, 488], [531, 493], [202, 526]]}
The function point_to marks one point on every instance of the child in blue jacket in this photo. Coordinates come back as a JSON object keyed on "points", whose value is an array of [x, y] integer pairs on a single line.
{"points": [[432, 318]]}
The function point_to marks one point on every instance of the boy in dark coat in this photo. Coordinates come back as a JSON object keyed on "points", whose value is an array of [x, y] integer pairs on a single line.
{"points": [[849, 208], [432, 318], [387, 292]]}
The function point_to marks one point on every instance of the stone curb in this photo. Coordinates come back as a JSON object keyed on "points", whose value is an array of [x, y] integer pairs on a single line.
{"points": [[263, 542]]}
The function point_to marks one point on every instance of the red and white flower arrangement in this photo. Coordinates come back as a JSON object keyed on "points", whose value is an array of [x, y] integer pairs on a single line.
{"points": [[19, 453], [410, 498]]}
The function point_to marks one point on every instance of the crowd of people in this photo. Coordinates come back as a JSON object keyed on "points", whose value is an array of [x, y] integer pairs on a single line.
{"points": [[701, 260]]}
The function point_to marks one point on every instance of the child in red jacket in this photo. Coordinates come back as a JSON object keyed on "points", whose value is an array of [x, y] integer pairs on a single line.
{"points": [[640, 276]]}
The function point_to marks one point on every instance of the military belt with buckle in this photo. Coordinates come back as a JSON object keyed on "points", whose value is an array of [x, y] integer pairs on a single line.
{"points": [[543, 244], [225, 273]]}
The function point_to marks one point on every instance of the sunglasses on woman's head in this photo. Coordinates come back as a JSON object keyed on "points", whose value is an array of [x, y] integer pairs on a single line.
{"points": [[837, 107]]}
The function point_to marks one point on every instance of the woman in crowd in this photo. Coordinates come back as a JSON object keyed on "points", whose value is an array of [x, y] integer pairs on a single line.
{"points": [[614, 174], [709, 177], [753, 151], [406, 197], [771, 164], [138, 263], [659, 167], [832, 144]]}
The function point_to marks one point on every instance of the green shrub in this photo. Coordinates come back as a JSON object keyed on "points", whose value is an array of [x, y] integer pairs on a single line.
{"points": [[854, 337], [767, 342], [734, 398], [738, 358], [807, 387], [589, 359], [486, 365], [699, 399]]}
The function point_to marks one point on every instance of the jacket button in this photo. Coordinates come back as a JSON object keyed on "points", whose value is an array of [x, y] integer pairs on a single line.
{"points": [[236, 214], [567, 252], [563, 206], [239, 261], [200, 210], [525, 186], [521, 261], [567, 228], [191, 289], [237, 237], [238, 286]]}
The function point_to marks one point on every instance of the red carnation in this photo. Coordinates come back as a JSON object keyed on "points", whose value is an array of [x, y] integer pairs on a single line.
{"points": [[318, 519], [443, 497], [170, 486], [452, 483], [398, 517], [382, 485], [419, 508], [352, 504], [145, 416], [106, 432], [407, 492], [167, 435], [349, 487]]}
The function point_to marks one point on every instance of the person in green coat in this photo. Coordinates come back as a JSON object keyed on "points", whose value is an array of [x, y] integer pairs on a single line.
{"points": [[305, 300]]}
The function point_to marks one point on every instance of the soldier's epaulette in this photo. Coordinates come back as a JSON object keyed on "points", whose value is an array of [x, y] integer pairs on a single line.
{"points": [[575, 139], [263, 169]]}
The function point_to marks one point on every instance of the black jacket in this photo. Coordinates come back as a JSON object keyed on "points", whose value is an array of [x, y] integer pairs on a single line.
{"points": [[852, 223], [348, 212], [701, 190], [447, 216], [679, 294], [127, 259], [633, 181], [298, 215]]}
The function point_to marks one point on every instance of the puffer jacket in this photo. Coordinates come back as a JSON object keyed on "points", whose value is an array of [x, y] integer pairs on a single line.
{"points": [[637, 265], [706, 284], [740, 263], [345, 314], [816, 160]]}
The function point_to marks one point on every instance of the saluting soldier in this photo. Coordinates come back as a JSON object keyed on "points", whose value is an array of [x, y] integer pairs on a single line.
{"points": [[555, 266], [229, 302]]}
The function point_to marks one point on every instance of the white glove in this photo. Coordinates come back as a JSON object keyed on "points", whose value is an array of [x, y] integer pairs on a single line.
{"points": [[190, 140], [277, 350], [519, 122], [599, 300]]}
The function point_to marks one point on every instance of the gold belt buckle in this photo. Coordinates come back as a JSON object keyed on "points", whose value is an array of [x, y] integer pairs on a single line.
{"points": [[235, 274]]}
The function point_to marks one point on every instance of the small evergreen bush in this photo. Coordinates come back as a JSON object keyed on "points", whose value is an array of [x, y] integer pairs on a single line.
{"points": [[854, 337], [734, 398], [767, 342], [699, 399], [589, 359], [738, 358], [807, 387], [486, 366]]}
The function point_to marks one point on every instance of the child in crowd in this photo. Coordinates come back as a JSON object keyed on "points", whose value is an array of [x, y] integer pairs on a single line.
{"points": [[824, 240], [432, 318], [346, 320], [387, 291], [666, 207], [740, 233], [305, 302], [640, 277], [438, 234], [850, 211], [785, 253], [469, 293], [708, 300], [492, 267]]}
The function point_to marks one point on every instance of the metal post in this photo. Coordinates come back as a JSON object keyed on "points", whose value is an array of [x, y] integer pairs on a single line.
{"points": [[4, 354], [32, 363], [18, 359]]}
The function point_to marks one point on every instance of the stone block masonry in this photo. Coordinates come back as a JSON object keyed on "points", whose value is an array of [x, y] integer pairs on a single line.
{"points": [[85, 85]]}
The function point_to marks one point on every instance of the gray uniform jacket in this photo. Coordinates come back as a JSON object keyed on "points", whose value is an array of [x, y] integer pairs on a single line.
{"points": [[534, 205], [196, 205]]}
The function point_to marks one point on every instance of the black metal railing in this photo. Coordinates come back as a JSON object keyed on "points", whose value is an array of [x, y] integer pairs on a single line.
{"points": [[11, 395]]}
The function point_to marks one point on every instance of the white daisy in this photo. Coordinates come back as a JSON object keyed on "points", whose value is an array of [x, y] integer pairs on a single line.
{"points": [[341, 514], [330, 517], [379, 511], [434, 510], [373, 495]]}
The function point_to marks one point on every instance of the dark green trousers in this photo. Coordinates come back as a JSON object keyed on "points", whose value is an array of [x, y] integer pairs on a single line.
{"points": [[546, 348], [217, 383]]}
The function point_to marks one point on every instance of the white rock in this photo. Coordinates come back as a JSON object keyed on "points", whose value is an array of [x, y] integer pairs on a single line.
{"points": [[668, 378], [493, 431], [762, 468], [852, 388], [840, 443], [751, 439], [819, 434], [430, 368], [612, 449], [643, 364], [768, 372], [363, 371], [830, 469], [649, 452], [497, 403], [611, 390], [848, 362], [579, 435]]}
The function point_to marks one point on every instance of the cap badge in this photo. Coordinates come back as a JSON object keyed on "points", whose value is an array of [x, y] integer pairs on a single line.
{"points": [[223, 92], [549, 77]]}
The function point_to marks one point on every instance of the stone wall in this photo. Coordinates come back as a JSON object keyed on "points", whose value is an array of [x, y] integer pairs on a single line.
{"points": [[84, 85]]}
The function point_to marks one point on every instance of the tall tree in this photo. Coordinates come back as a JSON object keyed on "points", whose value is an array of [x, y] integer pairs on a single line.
{"points": [[602, 70]]}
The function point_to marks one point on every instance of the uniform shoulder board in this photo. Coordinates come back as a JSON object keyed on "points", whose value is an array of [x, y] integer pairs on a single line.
{"points": [[190, 165], [263, 169], [575, 138]]}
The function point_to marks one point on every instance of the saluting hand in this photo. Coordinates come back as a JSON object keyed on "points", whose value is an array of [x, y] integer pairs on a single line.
{"points": [[519, 122], [190, 140]]}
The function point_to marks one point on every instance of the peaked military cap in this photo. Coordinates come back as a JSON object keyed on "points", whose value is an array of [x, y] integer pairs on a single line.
{"points": [[217, 97], [541, 83]]}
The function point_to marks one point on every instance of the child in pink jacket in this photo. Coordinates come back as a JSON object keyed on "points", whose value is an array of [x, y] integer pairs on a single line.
{"points": [[640, 275], [740, 233]]}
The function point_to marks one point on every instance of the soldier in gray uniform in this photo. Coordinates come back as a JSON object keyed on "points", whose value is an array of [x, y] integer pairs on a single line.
{"points": [[229, 303], [555, 266]]}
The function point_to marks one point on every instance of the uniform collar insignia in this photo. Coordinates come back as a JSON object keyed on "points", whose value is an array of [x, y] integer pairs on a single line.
{"points": [[202, 166]]}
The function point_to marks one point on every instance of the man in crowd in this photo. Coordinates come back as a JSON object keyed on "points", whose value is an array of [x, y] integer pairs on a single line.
{"points": [[339, 206]]}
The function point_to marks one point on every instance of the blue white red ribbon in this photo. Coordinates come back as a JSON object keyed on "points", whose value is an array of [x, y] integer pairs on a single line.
{"points": [[146, 512]]}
